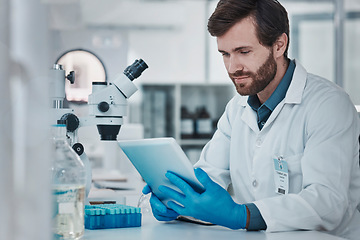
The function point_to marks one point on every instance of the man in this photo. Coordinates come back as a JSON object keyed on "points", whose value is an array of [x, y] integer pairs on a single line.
{"points": [[287, 142]]}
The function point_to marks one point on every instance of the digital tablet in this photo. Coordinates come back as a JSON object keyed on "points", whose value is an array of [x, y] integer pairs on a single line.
{"points": [[153, 157]]}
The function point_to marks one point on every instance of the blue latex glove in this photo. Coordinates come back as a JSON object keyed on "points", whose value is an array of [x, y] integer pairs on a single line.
{"points": [[159, 210], [214, 205]]}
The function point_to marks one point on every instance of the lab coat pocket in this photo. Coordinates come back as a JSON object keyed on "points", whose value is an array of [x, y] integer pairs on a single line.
{"points": [[295, 173]]}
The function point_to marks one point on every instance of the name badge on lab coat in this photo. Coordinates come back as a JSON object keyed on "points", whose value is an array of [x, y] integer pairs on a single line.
{"points": [[281, 176]]}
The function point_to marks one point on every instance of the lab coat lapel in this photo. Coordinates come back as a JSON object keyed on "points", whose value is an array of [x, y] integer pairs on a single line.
{"points": [[274, 114], [249, 115]]}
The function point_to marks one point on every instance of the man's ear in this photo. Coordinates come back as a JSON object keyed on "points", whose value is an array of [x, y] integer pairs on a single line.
{"points": [[280, 45]]}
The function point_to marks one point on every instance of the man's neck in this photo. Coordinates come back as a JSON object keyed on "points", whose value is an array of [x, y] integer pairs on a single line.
{"points": [[282, 66]]}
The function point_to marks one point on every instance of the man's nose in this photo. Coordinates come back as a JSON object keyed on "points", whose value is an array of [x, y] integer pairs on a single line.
{"points": [[234, 65]]}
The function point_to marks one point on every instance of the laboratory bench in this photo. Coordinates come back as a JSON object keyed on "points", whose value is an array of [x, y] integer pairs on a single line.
{"points": [[153, 229]]}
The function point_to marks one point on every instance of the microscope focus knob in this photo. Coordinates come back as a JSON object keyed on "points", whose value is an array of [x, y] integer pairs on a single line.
{"points": [[72, 121], [78, 148], [103, 107]]}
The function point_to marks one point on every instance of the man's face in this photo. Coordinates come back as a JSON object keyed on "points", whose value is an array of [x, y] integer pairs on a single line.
{"points": [[250, 65]]}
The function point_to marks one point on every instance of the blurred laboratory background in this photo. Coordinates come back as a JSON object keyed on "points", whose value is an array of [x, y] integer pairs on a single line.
{"points": [[182, 94]]}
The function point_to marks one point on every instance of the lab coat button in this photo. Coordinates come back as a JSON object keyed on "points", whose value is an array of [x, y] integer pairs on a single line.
{"points": [[254, 183], [258, 142]]}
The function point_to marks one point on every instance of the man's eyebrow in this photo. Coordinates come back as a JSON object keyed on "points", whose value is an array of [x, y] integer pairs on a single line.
{"points": [[241, 48], [235, 49]]}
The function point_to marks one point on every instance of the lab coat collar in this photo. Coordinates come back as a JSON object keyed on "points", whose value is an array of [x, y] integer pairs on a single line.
{"points": [[296, 88], [297, 85]]}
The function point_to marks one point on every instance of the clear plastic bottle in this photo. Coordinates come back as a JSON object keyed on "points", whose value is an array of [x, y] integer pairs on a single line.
{"points": [[68, 187]]}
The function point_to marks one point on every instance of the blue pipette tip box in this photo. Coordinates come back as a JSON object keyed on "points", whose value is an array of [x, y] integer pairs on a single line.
{"points": [[104, 216]]}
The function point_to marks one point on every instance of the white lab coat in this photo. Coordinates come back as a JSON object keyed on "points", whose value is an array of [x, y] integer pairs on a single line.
{"points": [[315, 129]]}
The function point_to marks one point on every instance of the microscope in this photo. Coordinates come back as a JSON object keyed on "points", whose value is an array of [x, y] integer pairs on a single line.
{"points": [[107, 105]]}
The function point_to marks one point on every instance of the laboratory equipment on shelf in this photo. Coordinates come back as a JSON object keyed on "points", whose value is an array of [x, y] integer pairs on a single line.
{"points": [[68, 187], [187, 124], [107, 106], [203, 123]]}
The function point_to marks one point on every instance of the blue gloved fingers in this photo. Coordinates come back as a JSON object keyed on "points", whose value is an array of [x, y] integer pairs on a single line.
{"points": [[214, 205], [146, 189], [172, 194], [177, 208], [168, 215], [157, 205], [160, 211], [180, 183], [164, 218], [203, 178]]}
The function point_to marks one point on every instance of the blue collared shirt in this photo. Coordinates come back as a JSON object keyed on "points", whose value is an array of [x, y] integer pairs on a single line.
{"points": [[264, 110]]}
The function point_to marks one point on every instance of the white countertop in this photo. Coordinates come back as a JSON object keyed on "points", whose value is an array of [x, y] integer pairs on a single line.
{"points": [[152, 229]]}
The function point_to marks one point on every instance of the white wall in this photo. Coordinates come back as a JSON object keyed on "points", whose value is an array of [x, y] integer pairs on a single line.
{"points": [[177, 54], [6, 181], [24, 181], [352, 59]]}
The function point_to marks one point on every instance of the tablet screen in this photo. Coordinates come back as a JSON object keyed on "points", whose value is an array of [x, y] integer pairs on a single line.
{"points": [[153, 157]]}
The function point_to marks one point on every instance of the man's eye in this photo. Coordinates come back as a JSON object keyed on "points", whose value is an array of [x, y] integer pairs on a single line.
{"points": [[224, 54], [245, 52]]}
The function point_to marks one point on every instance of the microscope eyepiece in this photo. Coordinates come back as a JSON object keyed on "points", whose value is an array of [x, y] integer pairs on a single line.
{"points": [[134, 71]]}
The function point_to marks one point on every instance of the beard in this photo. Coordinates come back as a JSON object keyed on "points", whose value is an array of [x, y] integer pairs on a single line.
{"points": [[260, 79]]}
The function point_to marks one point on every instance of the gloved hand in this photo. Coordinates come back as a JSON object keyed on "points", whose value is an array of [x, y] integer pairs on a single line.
{"points": [[160, 211], [214, 205]]}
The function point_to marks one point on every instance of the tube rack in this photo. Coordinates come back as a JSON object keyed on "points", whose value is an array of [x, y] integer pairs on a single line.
{"points": [[111, 216]]}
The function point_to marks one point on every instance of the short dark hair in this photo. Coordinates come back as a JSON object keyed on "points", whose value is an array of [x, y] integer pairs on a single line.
{"points": [[270, 18]]}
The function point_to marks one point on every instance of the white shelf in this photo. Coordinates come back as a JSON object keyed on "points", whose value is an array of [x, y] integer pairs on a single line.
{"points": [[193, 142]]}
